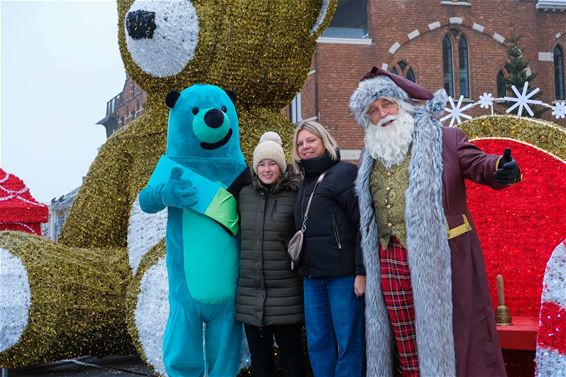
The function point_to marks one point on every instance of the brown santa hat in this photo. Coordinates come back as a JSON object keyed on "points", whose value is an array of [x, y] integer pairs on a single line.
{"points": [[378, 83]]}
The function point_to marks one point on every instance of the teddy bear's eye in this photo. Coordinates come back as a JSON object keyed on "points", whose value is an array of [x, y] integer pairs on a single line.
{"points": [[195, 110], [223, 108]]}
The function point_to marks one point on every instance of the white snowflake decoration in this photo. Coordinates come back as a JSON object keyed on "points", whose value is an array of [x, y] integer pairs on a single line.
{"points": [[486, 100], [523, 99], [456, 112], [559, 110]]}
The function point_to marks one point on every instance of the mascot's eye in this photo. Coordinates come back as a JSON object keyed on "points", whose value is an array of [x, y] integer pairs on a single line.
{"points": [[161, 36], [223, 108], [195, 110]]}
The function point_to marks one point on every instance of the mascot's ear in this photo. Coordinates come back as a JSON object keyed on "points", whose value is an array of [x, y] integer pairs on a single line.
{"points": [[172, 98], [232, 96]]}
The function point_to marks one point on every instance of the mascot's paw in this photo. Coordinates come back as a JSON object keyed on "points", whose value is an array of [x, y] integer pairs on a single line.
{"points": [[178, 192]]}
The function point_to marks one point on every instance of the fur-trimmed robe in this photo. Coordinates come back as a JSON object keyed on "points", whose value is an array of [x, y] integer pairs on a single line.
{"points": [[455, 324]]}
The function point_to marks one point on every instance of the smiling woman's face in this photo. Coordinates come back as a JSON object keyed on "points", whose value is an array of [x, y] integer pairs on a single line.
{"points": [[309, 145], [268, 171]]}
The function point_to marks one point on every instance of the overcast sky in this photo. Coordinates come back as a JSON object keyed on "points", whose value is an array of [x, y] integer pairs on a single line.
{"points": [[60, 64]]}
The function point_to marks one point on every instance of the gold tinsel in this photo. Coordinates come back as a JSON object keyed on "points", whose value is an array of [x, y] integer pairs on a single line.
{"points": [[262, 51], [545, 135], [77, 301]]}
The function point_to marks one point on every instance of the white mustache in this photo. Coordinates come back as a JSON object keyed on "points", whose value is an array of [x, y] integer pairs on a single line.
{"points": [[386, 119]]}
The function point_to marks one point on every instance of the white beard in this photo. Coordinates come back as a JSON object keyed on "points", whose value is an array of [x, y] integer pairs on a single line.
{"points": [[390, 144]]}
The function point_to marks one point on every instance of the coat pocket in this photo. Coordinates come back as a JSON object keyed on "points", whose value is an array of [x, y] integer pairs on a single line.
{"points": [[336, 233]]}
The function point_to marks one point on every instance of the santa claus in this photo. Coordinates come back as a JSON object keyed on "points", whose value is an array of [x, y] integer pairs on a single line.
{"points": [[428, 309]]}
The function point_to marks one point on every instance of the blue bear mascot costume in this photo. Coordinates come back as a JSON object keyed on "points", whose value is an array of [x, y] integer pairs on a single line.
{"points": [[198, 180]]}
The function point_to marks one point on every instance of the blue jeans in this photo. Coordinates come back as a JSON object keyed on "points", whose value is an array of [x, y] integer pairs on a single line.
{"points": [[334, 319]]}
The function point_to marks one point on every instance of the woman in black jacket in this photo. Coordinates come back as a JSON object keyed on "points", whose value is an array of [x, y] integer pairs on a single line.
{"points": [[270, 296], [332, 266]]}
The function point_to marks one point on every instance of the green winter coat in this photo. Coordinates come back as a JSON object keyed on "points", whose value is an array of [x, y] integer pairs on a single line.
{"points": [[269, 292]]}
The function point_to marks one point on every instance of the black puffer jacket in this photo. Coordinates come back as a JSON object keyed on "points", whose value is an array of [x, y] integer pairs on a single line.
{"points": [[331, 243], [269, 292]]}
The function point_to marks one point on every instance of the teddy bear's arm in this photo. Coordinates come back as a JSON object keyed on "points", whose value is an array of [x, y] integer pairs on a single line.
{"points": [[99, 216]]}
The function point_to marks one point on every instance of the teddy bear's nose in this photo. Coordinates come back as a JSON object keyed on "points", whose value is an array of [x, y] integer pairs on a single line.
{"points": [[140, 24], [214, 118]]}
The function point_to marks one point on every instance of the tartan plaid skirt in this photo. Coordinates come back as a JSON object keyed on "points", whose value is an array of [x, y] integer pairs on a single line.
{"points": [[398, 295]]}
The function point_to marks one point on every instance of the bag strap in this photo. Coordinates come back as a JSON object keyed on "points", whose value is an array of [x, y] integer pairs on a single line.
{"points": [[305, 218]]}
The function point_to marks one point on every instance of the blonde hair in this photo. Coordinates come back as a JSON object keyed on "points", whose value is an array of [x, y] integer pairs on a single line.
{"points": [[319, 131]]}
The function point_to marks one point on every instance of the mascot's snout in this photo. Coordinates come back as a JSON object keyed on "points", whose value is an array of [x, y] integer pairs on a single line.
{"points": [[214, 118]]}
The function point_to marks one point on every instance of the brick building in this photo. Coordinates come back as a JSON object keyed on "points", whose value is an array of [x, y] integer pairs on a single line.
{"points": [[458, 45], [124, 107]]}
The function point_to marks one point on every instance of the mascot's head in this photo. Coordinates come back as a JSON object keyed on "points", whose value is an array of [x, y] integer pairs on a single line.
{"points": [[202, 123]]}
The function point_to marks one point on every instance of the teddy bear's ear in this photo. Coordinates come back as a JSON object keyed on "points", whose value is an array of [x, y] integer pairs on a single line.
{"points": [[232, 96], [172, 98]]}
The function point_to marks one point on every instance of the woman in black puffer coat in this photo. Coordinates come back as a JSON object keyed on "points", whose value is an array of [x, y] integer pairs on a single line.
{"points": [[270, 294], [332, 263]]}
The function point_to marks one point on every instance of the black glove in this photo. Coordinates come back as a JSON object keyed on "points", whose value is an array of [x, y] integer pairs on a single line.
{"points": [[507, 169]]}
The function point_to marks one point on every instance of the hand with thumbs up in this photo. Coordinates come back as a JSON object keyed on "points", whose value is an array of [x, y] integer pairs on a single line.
{"points": [[178, 192], [507, 169]]}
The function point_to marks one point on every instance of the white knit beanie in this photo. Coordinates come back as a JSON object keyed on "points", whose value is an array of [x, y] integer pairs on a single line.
{"points": [[269, 146]]}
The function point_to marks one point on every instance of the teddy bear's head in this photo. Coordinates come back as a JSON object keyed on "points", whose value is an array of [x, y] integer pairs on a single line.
{"points": [[202, 122], [259, 49]]}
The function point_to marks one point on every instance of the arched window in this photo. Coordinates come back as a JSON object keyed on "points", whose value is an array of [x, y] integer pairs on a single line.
{"points": [[403, 69], [447, 66], [463, 72], [501, 87], [558, 73], [411, 75]]}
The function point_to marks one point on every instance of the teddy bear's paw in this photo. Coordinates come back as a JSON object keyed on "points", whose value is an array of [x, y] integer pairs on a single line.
{"points": [[148, 310], [144, 232], [15, 299], [58, 302]]}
